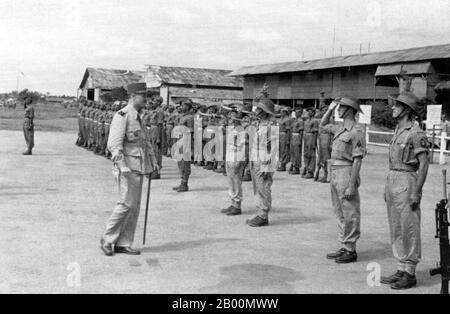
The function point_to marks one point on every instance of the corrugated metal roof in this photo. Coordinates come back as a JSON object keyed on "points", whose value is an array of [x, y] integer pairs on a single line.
{"points": [[404, 68], [157, 75], [406, 55], [206, 93], [111, 78]]}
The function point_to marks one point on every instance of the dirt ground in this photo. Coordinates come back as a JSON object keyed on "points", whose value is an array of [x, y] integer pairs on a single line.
{"points": [[54, 206]]}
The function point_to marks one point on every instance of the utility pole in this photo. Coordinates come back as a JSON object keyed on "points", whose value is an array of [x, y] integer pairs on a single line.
{"points": [[334, 39]]}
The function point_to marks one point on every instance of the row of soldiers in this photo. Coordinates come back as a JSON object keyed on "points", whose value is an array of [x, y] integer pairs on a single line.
{"points": [[300, 137]]}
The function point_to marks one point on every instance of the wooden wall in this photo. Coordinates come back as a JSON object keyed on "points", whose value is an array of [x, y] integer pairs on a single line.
{"points": [[354, 82]]}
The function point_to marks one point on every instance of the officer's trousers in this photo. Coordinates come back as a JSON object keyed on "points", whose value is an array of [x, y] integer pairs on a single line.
{"points": [[155, 139], [348, 212], [296, 150], [234, 177], [184, 168], [121, 226], [404, 221], [29, 137], [262, 187]]}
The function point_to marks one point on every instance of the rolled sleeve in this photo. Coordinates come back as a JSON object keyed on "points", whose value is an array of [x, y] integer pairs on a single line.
{"points": [[358, 144], [420, 143]]}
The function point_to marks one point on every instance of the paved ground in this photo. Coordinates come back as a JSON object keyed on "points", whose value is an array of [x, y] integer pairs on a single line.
{"points": [[54, 206]]}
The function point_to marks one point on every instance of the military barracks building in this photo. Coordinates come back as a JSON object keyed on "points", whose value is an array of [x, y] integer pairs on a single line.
{"points": [[172, 83], [369, 77], [98, 81]]}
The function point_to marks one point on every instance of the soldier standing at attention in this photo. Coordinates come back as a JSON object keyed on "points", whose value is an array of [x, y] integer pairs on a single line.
{"points": [[28, 125], [408, 169], [285, 124], [311, 126], [349, 148], [170, 124], [261, 170], [297, 142], [325, 141], [133, 158], [186, 119]]}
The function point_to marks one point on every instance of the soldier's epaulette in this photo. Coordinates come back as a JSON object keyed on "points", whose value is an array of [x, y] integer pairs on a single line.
{"points": [[121, 113]]}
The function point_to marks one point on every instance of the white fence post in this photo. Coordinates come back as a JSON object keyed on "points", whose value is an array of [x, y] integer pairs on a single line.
{"points": [[443, 147]]}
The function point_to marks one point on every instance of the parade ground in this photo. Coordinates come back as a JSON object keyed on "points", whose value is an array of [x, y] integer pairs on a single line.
{"points": [[54, 206]]}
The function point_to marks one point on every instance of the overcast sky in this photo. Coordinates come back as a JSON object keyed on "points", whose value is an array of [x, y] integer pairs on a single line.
{"points": [[53, 41]]}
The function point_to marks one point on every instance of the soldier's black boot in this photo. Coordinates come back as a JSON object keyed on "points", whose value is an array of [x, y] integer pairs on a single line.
{"points": [[295, 171], [347, 257], [393, 278], [183, 187], [282, 168], [258, 221], [234, 211], [309, 175], [156, 175], [406, 282], [247, 177], [201, 164], [107, 248], [27, 152], [336, 254]]}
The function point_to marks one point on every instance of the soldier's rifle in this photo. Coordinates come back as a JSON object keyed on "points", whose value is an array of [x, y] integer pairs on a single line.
{"points": [[442, 225]]}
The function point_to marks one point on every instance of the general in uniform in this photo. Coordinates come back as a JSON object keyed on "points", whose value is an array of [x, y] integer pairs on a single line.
{"points": [[133, 158], [349, 148], [311, 127], [408, 167]]}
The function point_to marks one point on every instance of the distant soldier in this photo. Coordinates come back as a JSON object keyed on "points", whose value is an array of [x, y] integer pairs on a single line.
{"points": [[285, 125], [133, 158], [186, 120], [408, 168], [28, 125], [296, 146], [349, 148], [324, 151], [261, 170], [311, 127], [80, 138]]}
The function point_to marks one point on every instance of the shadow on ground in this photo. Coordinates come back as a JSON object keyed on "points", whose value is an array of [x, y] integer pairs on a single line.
{"points": [[255, 278]]}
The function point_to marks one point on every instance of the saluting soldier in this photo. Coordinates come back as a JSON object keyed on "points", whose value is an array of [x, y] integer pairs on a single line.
{"points": [[28, 125], [186, 120], [311, 128], [262, 170], [325, 146], [133, 158], [236, 159], [296, 147], [408, 168], [349, 148]]}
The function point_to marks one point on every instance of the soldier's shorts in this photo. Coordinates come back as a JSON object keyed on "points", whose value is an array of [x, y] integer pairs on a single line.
{"points": [[262, 187], [234, 177], [121, 225], [348, 213], [404, 222], [185, 170]]}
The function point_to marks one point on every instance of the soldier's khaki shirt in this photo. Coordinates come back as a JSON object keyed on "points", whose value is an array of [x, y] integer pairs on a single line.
{"points": [[349, 141], [128, 142], [311, 125], [408, 142]]}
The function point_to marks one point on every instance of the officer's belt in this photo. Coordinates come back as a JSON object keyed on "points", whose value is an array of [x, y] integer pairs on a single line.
{"points": [[338, 162], [310, 132], [283, 132], [296, 133]]}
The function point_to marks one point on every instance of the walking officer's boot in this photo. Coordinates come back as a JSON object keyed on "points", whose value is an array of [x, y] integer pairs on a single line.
{"points": [[183, 187]]}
